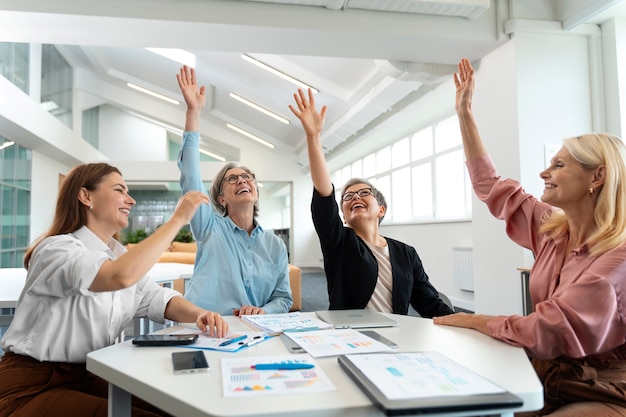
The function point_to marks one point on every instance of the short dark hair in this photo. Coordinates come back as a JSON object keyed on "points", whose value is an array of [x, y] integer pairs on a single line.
{"points": [[380, 198]]}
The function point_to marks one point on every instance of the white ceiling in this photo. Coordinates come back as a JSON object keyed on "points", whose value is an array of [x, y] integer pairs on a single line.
{"points": [[368, 64]]}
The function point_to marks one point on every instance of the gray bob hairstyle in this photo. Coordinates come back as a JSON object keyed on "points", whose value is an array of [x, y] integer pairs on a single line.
{"points": [[217, 188]]}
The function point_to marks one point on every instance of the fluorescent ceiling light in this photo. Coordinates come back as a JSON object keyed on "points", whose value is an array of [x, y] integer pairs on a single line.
{"points": [[213, 155], [259, 108], [279, 73], [6, 145], [157, 122], [250, 135], [152, 93], [179, 55]]}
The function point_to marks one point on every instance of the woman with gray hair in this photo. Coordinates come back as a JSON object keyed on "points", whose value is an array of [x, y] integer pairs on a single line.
{"points": [[363, 268], [240, 269]]}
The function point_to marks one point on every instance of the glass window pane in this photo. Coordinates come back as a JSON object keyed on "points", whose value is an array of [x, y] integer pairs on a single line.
{"points": [[384, 186], [422, 144], [422, 190], [346, 174], [57, 81], [450, 191], [383, 160], [369, 165], [401, 195], [357, 170], [400, 153], [447, 134], [336, 177]]}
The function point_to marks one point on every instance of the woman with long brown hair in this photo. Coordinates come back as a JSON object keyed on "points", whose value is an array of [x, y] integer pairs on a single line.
{"points": [[82, 290]]}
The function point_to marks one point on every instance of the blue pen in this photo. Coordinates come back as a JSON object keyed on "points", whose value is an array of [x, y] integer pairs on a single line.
{"points": [[281, 366], [236, 339]]}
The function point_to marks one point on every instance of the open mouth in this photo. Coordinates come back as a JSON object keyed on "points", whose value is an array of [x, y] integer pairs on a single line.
{"points": [[243, 190]]}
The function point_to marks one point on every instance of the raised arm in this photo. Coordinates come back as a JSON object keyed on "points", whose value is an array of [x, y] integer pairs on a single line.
{"points": [[464, 82], [194, 97], [313, 122], [134, 264]]}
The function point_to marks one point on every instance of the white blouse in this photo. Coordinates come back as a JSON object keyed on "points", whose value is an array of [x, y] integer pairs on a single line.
{"points": [[58, 319]]}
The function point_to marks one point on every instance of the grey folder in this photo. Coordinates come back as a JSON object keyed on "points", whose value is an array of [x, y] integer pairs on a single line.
{"points": [[355, 319]]}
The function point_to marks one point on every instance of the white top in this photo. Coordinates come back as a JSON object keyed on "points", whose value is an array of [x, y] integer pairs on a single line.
{"points": [[58, 319], [381, 297]]}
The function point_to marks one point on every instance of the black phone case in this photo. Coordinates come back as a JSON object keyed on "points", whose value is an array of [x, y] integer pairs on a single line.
{"points": [[165, 339]]}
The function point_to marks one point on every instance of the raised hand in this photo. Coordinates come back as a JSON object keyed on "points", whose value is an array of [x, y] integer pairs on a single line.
{"points": [[194, 96], [311, 120], [464, 82], [188, 204]]}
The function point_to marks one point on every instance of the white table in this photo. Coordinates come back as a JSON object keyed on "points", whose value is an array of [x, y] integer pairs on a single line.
{"points": [[147, 373], [11, 284]]}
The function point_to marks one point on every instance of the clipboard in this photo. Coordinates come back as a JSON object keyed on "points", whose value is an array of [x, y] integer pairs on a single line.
{"points": [[423, 382]]}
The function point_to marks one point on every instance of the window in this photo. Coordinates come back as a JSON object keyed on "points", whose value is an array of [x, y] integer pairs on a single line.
{"points": [[57, 80], [14, 62], [422, 176], [15, 186]]}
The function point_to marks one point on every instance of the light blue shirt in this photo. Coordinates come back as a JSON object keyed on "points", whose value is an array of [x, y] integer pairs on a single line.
{"points": [[232, 268]]}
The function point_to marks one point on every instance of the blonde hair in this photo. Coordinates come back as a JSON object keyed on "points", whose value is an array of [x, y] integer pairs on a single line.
{"points": [[591, 151]]}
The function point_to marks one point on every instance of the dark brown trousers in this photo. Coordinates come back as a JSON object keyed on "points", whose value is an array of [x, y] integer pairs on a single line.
{"points": [[52, 389], [581, 388]]}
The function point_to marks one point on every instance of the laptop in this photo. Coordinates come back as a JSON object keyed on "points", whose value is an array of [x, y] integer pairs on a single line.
{"points": [[355, 319]]}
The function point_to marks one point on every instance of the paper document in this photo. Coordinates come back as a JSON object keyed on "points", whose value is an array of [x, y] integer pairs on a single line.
{"points": [[231, 343], [284, 322], [335, 342], [273, 375]]}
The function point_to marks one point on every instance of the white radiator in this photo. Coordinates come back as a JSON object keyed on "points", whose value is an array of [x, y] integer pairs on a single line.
{"points": [[463, 269]]}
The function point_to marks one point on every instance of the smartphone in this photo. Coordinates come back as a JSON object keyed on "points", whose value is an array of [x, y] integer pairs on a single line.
{"points": [[165, 339], [189, 362], [291, 346], [376, 336]]}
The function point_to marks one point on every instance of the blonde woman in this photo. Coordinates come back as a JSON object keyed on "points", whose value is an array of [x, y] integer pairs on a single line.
{"points": [[577, 232]]}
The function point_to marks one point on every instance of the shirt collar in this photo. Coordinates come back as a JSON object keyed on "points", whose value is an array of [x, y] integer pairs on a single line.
{"points": [[92, 242]]}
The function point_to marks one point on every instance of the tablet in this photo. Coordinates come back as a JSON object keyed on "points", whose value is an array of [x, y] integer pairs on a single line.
{"points": [[423, 382]]}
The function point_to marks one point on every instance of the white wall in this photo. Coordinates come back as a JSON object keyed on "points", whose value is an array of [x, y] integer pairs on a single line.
{"points": [[124, 137]]}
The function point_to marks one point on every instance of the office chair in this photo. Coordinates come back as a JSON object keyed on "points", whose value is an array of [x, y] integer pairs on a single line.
{"points": [[446, 300]]}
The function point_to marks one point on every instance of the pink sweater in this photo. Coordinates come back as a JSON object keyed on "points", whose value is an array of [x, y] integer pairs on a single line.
{"points": [[579, 307]]}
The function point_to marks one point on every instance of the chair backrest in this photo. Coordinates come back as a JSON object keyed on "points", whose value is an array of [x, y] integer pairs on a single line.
{"points": [[446, 300]]}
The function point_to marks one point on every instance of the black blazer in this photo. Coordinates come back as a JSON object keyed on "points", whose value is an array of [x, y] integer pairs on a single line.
{"points": [[352, 270]]}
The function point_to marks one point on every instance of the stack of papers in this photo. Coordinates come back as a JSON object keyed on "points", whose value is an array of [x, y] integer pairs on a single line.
{"points": [[337, 342], [274, 324]]}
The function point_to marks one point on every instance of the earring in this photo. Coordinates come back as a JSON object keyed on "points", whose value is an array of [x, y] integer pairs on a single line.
{"points": [[91, 207], [591, 190]]}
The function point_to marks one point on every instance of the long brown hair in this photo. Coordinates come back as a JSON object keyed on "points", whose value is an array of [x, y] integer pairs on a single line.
{"points": [[70, 213]]}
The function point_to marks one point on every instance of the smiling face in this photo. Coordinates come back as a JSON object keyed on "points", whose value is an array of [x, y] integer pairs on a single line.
{"points": [[361, 210], [567, 182], [111, 204], [243, 191]]}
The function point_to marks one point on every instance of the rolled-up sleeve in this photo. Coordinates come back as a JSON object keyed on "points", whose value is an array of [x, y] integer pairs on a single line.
{"points": [[154, 299]]}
